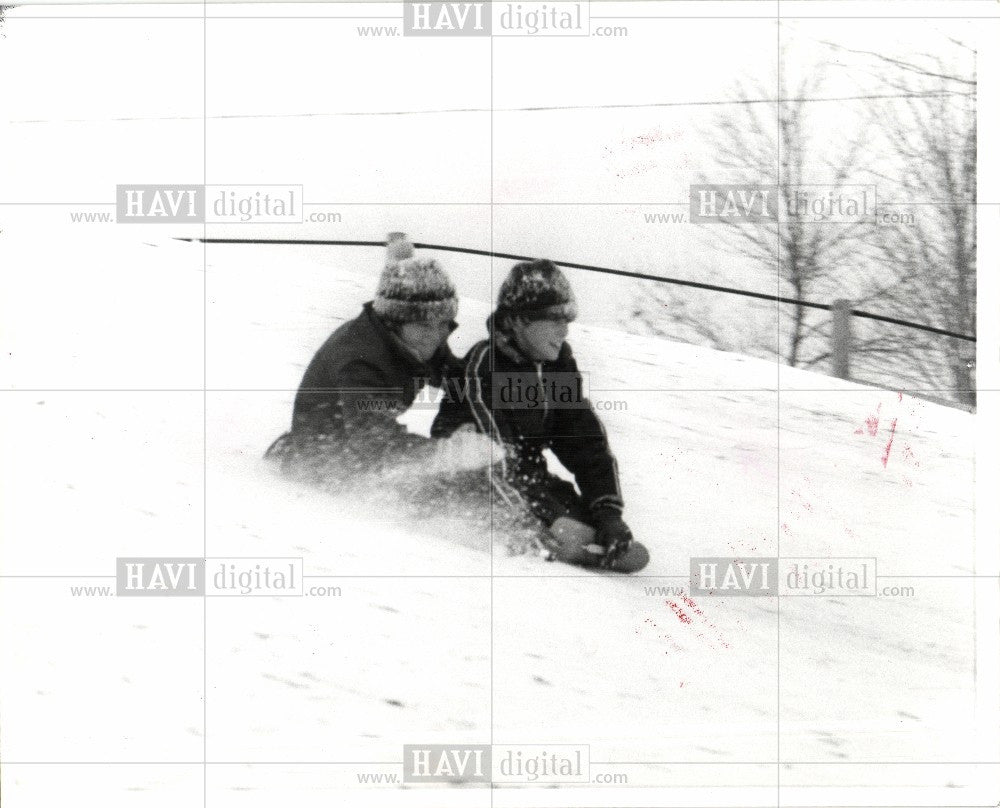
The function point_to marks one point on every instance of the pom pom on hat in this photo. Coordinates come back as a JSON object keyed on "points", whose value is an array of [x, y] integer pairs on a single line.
{"points": [[397, 248], [413, 290]]}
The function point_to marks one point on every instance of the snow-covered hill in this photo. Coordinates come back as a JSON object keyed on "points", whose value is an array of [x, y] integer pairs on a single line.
{"points": [[432, 640]]}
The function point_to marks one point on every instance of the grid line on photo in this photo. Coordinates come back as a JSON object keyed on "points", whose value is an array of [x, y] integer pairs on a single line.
{"points": [[492, 469], [958, 15], [505, 575], [778, 389], [777, 437], [204, 364], [500, 204], [597, 762], [761, 389]]}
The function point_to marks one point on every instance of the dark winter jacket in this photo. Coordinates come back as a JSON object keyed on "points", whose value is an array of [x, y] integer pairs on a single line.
{"points": [[575, 435], [354, 388]]}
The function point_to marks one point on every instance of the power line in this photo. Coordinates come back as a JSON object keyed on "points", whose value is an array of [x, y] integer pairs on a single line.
{"points": [[711, 287], [463, 110]]}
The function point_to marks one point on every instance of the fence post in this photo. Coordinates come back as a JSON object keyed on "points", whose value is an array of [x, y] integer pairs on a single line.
{"points": [[840, 339]]}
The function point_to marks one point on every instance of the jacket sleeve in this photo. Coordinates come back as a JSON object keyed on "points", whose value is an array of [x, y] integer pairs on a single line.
{"points": [[466, 396], [581, 444], [368, 408], [444, 365]]}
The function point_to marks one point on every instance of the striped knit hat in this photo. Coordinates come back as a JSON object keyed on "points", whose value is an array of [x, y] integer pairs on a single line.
{"points": [[413, 290], [537, 290]]}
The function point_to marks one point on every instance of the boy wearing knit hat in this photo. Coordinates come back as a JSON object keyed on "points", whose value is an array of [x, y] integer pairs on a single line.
{"points": [[527, 347], [371, 369]]}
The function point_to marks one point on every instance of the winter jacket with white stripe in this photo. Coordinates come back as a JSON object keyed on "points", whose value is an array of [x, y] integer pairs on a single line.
{"points": [[575, 435]]}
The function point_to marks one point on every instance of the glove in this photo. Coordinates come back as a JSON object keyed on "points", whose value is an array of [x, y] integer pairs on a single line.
{"points": [[612, 533]]}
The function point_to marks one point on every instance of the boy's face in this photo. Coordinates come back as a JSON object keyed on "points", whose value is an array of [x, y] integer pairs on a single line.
{"points": [[425, 338], [541, 339]]}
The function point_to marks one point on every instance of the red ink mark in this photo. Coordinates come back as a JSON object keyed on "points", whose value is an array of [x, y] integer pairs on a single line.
{"points": [[677, 610], [697, 611], [888, 446], [872, 421], [645, 140], [692, 605], [804, 502], [641, 167], [872, 425]]}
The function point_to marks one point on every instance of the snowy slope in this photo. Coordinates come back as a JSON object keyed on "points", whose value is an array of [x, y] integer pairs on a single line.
{"points": [[433, 640]]}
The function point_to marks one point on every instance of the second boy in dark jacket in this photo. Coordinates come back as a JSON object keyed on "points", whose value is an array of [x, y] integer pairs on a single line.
{"points": [[522, 387]]}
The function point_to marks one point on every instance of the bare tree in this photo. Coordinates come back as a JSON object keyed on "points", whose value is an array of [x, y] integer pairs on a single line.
{"points": [[916, 261], [927, 233], [773, 143]]}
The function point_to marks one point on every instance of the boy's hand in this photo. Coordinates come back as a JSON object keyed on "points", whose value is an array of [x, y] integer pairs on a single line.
{"points": [[612, 532]]}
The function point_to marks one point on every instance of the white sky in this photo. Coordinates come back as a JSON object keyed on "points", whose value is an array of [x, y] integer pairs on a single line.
{"points": [[286, 76]]}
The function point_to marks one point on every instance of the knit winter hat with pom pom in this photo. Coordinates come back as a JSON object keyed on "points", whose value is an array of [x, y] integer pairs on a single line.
{"points": [[413, 290], [537, 290]]}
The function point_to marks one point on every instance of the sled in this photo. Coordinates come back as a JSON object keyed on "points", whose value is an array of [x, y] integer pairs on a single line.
{"points": [[573, 542]]}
